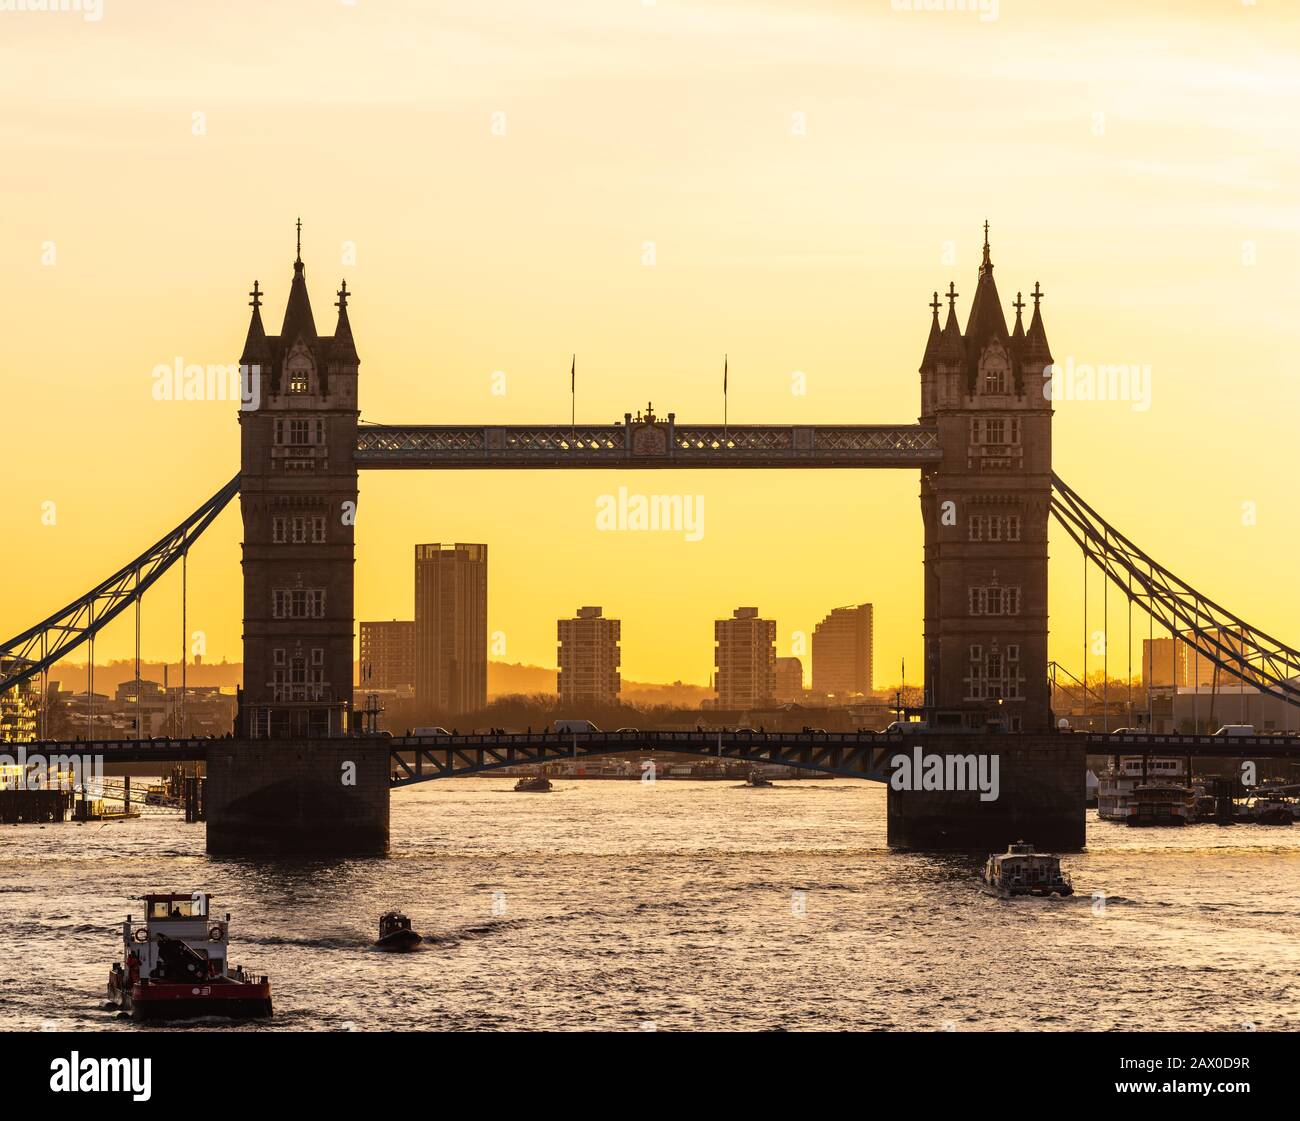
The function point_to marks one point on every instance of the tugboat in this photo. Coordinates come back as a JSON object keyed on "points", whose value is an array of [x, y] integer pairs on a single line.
{"points": [[756, 779], [1021, 871], [175, 967], [534, 784], [395, 932]]}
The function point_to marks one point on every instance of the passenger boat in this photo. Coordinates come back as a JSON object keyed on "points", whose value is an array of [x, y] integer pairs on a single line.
{"points": [[395, 932], [175, 966], [1160, 803], [1021, 871], [1117, 785], [534, 784]]}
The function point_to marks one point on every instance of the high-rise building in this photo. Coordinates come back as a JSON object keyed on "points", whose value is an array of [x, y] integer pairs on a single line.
{"points": [[841, 652], [1164, 662], [745, 659], [387, 656], [451, 627], [18, 706], [789, 679], [589, 657]]}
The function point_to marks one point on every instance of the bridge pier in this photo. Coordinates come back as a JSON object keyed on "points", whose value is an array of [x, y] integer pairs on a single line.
{"points": [[1039, 787], [324, 797]]}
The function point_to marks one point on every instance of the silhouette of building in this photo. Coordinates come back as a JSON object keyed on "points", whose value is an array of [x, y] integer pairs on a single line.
{"points": [[298, 490], [985, 508], [1165, 662], [451, 627], [789, 679], [841, 652], [744, 659], [387, 656], [589, 657]]}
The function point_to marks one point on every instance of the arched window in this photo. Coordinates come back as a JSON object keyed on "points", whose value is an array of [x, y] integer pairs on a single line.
{"points": [[298, 370]]}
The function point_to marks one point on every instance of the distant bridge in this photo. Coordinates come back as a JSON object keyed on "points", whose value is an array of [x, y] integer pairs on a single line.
{"points": [[861, 755]]}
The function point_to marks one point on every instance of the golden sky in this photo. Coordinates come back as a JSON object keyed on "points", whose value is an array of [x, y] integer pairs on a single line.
{"points": [[808, 173]]}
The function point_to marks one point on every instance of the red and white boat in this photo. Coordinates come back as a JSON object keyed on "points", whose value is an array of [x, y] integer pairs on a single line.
{"points": [[175, 967]]}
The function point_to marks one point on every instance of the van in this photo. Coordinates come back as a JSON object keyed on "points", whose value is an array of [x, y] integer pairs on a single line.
{"points": [[1237, 730], [435, 731], [575, 726]]}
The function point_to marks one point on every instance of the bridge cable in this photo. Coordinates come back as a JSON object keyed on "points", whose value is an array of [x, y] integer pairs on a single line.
{"points": [[33, 651], [1228, 641]]}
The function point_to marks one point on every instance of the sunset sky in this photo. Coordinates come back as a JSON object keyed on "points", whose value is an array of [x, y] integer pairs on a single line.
{"points": [[808, 173]]}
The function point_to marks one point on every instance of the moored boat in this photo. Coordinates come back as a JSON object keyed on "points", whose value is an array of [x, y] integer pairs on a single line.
{"points": [[1271, 810], [534, 784], [176, 967], [395, 932], [1160, 803], [1021, 871], [1117, 785]]}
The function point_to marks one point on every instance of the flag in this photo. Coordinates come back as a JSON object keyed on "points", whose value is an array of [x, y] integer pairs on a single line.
{"points": [[573, 374], [724, 373]]}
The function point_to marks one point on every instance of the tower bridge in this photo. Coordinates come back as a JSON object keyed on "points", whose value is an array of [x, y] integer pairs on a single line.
{"points": [[982, 446]]}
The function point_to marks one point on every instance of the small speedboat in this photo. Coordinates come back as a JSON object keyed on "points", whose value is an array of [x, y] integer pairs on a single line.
{"points": [[755, 779], [1021, 871], [395, 932], [175, 966], [534, 784]]}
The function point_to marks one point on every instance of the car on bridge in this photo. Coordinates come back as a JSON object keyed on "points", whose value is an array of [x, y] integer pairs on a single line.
{"points": [[1236, 730], [435, 731]]}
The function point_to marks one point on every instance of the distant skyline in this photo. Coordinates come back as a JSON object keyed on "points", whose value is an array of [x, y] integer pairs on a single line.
{"points": [[669, 183]]}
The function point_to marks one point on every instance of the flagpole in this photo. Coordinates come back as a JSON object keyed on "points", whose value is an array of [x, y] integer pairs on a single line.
{"points": [[724, 396], [573, 396]]}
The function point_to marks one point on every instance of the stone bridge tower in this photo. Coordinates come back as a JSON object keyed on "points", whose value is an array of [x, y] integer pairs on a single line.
{"points": [[298, 497], [985, 510]]}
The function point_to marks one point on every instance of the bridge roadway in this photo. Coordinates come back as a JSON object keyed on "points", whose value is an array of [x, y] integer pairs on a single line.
{"points": [[847, 754]]}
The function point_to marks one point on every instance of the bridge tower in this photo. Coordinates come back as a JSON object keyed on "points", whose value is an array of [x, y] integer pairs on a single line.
{"points": [[985, 511], [298, 497]]}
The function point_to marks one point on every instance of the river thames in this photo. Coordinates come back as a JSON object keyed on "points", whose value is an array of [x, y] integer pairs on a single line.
{"points": [[677, 905]]}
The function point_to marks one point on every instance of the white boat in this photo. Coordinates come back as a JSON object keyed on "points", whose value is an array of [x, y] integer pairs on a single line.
{"points": [[1116, 786], [1021, 871]]}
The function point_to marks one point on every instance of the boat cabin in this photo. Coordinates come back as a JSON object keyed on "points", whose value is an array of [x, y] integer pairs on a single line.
{"points": [[1021, 867], [179, 939]]}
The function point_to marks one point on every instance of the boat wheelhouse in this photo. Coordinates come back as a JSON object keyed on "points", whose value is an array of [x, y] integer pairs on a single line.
{"points": [[176, 966], [395, 932]]}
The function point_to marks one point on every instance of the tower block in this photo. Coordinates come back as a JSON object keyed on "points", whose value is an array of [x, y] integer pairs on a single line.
{"points": [[985, 509], [298, 497]]}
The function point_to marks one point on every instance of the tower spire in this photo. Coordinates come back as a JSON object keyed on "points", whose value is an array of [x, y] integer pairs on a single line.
{"points": [[987, 263], [298, 258]]}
